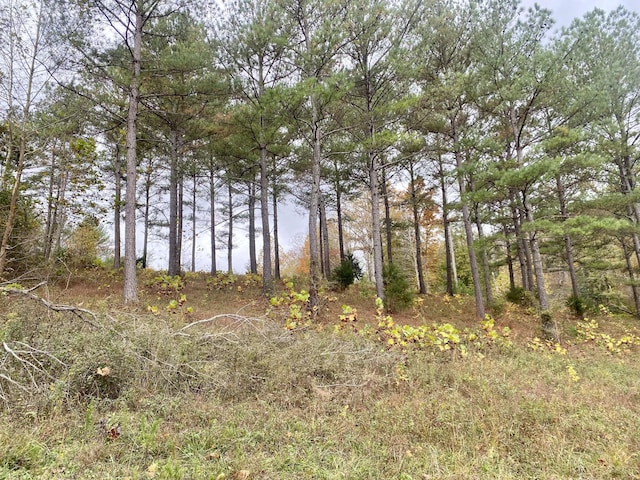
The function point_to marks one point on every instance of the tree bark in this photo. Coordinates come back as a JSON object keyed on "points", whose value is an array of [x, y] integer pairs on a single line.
{"points": [[230, 228], [174, 263], [324, 232], [276, 239], [194, 198], [253, 259], [422, 288], [212, 218], [117, 213], [130, 274]]}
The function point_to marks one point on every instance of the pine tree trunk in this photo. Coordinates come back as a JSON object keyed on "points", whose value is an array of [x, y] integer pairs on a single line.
{"points": [[174, 263], [267, 274], [340, 224], [194, 210], [276, 239], [375, 222], [212, 219], [314, 205], [147, 207], [466, 219], [634, 287], [387, 218], [253, 262], [564, 215], [324, 232], [230, 229], [422, 288], [448, 244], [130, 274], [117, 209]]}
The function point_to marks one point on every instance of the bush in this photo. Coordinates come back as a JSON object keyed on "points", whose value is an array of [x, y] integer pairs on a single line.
{"points": [[520, 296], [577, 305], [398, 291], [347, 272]]}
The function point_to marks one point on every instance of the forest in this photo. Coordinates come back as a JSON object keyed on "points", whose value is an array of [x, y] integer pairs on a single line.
{"points": [[463, 303], [471, 135]]}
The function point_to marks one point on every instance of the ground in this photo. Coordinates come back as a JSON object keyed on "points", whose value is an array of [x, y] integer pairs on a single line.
{"points": [[209, 379]]}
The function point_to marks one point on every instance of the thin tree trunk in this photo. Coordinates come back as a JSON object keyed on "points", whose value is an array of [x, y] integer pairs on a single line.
{"points": [[130, 274], [22, 149], [375, 223], [194, 198], [466, 219], [174, 262], [267, 273], [634, 287], [422, 289], [230, 229], [387, 218], [147, 220], [212, 219], [450, 263], [253, 262], [117, 209], [340, 224], [276, 239], [509, 260], [568, 247], [324, 232], [180, 223], [486, 269], [314, 205], [520, 246]]}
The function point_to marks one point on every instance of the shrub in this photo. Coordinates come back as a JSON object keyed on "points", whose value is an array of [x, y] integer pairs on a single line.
{"points": [[347, 272], [398, 291], [520, 296]]}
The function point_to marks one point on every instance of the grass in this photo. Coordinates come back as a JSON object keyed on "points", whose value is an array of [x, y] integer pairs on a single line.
{"points": [[244, 398]]}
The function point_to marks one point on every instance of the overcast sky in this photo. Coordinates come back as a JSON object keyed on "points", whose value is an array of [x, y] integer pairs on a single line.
{"points": [[564, 11]]}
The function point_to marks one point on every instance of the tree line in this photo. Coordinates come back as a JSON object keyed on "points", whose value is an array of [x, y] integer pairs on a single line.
{"points": [[525, 135]]}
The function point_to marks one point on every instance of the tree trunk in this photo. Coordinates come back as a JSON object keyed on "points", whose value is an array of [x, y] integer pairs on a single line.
{"points": [[448, 243], [634, 287], [130, 274], [549, 327], [230, 229], [276, 240], [147, 220], [253, 262], [314, 205], [387, 218], [22, 149], [568, 247], [422, 288], [486, 268], [376, 231], [194, 198], [509, 260], [267, 274], [174, 262], [212, 219], [324, 232], [340, 225], [117, 209], [520, 246], [466, 219]]}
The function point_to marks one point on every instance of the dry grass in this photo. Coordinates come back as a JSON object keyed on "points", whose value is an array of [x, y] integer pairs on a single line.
{"points": [[238, 396]]}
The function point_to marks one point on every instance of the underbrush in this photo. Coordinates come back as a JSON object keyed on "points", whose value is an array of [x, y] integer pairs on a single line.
{"points": [[116, 394]]}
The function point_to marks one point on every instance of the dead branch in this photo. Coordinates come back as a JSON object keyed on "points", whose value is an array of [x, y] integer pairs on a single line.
{"points": [[51, 306]]}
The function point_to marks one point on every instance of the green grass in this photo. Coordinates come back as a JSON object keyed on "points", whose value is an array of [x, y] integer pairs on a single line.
{"points": [[309, 404]]}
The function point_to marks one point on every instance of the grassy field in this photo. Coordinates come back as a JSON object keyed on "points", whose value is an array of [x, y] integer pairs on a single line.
{"points": [[206, 379]]}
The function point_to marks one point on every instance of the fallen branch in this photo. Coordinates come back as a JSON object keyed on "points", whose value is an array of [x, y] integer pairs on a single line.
{"points": [[51, 306]]}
